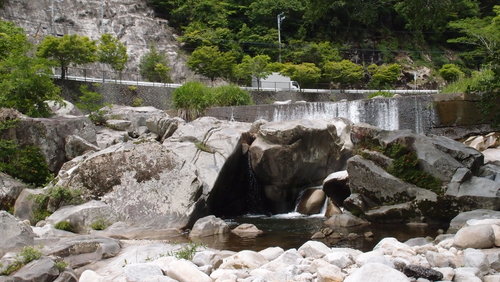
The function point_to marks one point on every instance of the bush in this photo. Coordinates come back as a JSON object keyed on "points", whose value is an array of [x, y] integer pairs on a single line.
{"points": [[99, 224], [384, 76], [345, 72], [381, 93], [193, 98], [187, 252], [64, 225], [465, 84], [92, 102], [231, 95], [137, 102], [27, 255], [450, 72], [53, 199]]}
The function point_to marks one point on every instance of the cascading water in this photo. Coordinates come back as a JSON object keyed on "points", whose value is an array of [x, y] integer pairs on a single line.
{"points": [[383, 113]]}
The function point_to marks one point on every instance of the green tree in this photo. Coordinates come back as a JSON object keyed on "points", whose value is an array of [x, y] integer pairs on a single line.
{"points": [[450, 72], [112, 52], [304, 74], [384, 76], [345, 72], [211, 62], [312, 52], [92, 102], [69, 49], [25, 81], [154, 66], [253, 67]]}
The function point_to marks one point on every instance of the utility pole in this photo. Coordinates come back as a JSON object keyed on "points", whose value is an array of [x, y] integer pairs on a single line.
{"points": [[280, 18]]}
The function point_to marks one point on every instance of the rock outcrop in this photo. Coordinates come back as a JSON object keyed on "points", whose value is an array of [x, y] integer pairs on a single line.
{"points": [[400, 176], [15, 234], [288, 156], [49, 134], [10, 189], [132, 22]]}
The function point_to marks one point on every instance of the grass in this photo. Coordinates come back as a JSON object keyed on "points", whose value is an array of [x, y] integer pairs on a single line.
{"points": [[204, 147], [64, 225], [27, 255], [464, 84], [99, 224], [187, 252]]}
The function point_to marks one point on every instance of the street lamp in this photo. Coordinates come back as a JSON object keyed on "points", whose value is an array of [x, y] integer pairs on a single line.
{"points": [[280, 18]]}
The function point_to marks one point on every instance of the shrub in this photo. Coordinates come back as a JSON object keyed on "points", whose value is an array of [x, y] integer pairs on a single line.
{"points": [[465, 84], [137, 102], [24, 162], [194, 98], [92, 103], [450, 72], [384, 76], [381, 93], [99, 224], [61, 265], [27, 255], [54, 198], [231, 95], [345, 72], [64, 225]]}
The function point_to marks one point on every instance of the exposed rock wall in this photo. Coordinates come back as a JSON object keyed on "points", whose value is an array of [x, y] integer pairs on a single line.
{"points": [[132, 21]]}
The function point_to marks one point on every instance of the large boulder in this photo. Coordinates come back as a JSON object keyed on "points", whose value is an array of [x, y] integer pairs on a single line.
{"points": [[83, 216], [49, 134], [15, 234], [145, 183], [336, 186], [10, 189], [164, 185], [461, 219], [376, 272], [164, 127], [287, 156], [477, 193], [136, 116], [43, 269], [311, 201]]}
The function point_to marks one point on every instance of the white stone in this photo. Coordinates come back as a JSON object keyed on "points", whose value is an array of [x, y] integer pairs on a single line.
{"points": [[158, 278], [330, 274], [496, 233], [447, 272], [492, 278], [466, 274], [244, 259], [376, 272], [163, 262], [266, 276], [478, 143], [139, 271], [491, 155], [91, 276], [476, 236], [290, 257], [229, 274], [272, 252], [247, 230], [186, 271], [340, 259], [391, 246], [314, 249], [442, 259], [376, 256], [477, 259], [203, 258]]}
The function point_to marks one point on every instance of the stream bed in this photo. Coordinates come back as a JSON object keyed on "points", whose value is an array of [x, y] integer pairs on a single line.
{"points": [[292, 230]]}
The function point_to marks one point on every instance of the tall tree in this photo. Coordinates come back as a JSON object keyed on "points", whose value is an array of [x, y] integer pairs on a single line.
{"points": [[69, 49], [211, 62], [253, 67], [305, 73], [112, 52], [345, 72], [154, 66]]}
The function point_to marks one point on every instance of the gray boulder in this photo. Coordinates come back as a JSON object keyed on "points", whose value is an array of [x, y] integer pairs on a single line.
{"points": [[49, 134], [63, 108], [107, 137], [15, 234], [467, 156], [344, 220], [164, 127], [82, 250], [490, 171], [137, 116], [25, 205], [247, 230], [366, 178], [43, 269], [82, 216], [461, 219], [118, 124], [10, 189], [209, 226], [477, 193], [76, 146], [289, 155], [146, 184], [311, 201], [336, 187]]}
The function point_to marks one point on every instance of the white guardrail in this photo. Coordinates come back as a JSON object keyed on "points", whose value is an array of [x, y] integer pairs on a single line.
{"points": [[176, 85]]}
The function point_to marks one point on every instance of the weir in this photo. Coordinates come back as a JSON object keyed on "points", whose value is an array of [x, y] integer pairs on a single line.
{"points": [[413, 112]]}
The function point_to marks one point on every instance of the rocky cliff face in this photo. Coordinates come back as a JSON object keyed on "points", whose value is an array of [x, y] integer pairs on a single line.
{"points": [[132, 21]]}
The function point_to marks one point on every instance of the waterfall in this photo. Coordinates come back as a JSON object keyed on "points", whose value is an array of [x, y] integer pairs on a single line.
{"points": [[383, 113], [254, 200]]}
